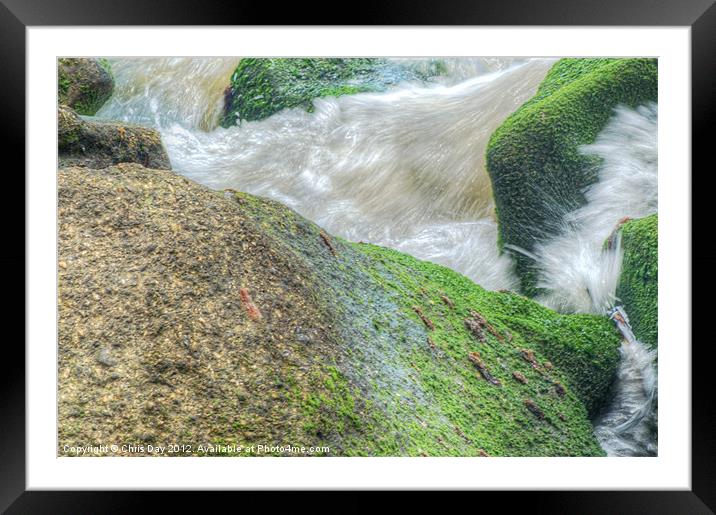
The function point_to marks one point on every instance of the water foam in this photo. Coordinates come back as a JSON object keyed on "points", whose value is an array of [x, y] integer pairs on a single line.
{"points": [[579, 274], [403, 169], [406, 169]]}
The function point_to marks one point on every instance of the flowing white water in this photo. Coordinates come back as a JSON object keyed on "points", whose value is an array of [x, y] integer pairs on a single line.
{"points": [[403, 168], [406, 169], [160, 90], [577, 273], [628, 426], [580, 275]]}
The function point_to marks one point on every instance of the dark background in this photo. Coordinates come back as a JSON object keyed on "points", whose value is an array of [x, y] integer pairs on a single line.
{"points": [[15, 15]]}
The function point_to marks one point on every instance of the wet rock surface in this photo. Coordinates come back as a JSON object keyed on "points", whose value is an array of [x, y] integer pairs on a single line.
{"points": [[84, 84], [188, 315], [96, 144], [150, 290], [261, 87], [638, 286], [533, 158]]}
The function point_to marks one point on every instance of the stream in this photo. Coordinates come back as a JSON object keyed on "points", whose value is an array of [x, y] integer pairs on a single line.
{"points": [[406, 169]]}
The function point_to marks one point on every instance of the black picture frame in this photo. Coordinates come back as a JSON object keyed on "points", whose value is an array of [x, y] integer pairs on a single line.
{"points": [[17, 15]]}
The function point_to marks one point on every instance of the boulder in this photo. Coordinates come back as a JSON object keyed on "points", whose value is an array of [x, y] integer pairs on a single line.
{"points": [[537, 171], [96, 144], [219, 318], [84, 84], [261, 87], [638, 288]]}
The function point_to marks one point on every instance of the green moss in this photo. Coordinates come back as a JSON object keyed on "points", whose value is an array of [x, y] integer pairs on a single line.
{"points": [[106, 66], [401, 388], [260, 86], [638, 285], [63, 84], [533, 158], [69, 128], [100, 144], [330, 407], [584, 347], [89, 103], [84, 84], [64, 81]]}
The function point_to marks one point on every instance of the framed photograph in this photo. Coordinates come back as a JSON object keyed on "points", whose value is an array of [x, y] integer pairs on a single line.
{"points": [[429, 251]]}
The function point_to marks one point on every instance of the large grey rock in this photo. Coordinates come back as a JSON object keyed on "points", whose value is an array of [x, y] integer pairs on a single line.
{"points": [[84, 84], [101, 144]]}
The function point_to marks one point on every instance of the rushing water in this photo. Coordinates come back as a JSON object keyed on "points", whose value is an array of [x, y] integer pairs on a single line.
{"points": [[577, 273], [161, 90], [403, 169], [406, 169], [628, 425], [580, 275]]}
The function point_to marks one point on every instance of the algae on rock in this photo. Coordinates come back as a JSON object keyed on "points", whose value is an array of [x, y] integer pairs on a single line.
{"points": [[84, 84], [97, 144], [263, 86], [638, 287], [533, 158], [158, 280]]}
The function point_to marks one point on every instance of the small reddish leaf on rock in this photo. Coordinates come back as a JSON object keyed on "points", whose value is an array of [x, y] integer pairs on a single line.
{"points": [[534, 409], [428, 323], [249, 306], [519, 377], [476, 360], [476, 324], [462, 434], [327, 240], [447, 301], [529, 356], [559, 389], [475, 328]]}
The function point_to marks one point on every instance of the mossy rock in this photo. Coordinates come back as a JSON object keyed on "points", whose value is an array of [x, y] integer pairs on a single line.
{"points": [[533, 158], [261, 87], [638, 288], [84, 84], [209, 317], [96, 144]]}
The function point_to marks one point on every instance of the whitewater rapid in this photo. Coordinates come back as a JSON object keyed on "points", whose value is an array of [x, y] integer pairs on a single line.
{"points": [[580, 275], [406, 169]]}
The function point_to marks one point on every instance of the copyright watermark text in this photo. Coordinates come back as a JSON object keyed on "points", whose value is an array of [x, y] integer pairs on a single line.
{"points": [[144, 449]]}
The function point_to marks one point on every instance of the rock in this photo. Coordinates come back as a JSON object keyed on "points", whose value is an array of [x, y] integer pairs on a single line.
{"points": [[480, 365], [261, 87], [84, 84], [101, 144], [638, 288], [529, 356], [370, 383], [302, 336], [537, 171], [428, 323], [534, 409], [105, 358], [559, 389], [520, 377]]}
